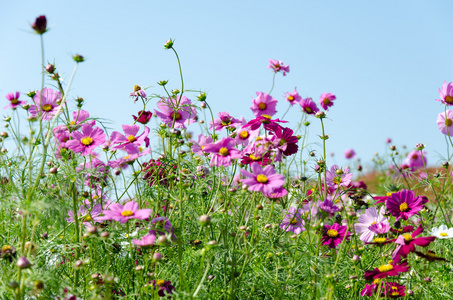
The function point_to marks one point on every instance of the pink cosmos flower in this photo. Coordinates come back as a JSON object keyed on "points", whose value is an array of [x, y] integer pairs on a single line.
{"points": [[328, 207], [245, 135], [404, 204], [293, 221], [406, 243], [287, 142], [176, 110], [334, 235], [122, 214], [46, 105], [222, 152], [198, 146], [446, 94], [337, 177], [369, 223], [225, 120], [308, 106], [390, 269], [264, 104], [278, 66], [414, 160], [146, 241], [293, 97], [262, 180], [138, 92], [95, 171], [349, 154], [86, 141], [445, 122], [89, 216], [79, 117], [326, 100], [133, 152], [130, 136], [266, 121], [14, 101]]}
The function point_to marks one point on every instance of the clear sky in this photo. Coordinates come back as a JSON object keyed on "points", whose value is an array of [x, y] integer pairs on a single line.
{"points": [[384, 60]]}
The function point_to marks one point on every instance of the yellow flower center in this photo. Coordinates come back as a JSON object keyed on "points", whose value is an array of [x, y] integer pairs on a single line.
{"points": [[282, 142], [294, 221], [266, 116], [131, 138], [449, 99], [127, 157], [377, 281], [14, 101], [290, 98], [224, 151], [126, 213], [407, 237], [226, 123], [160, 282], [258, 138], [404, 207], [87, 141], [448, 122], [308, 110], [332, 233], [262, 106], [175, 115], [137, 88], [6, 248], [443, 234], [87, 218], [337, 180], [385, 268], [389, 194], [47, 107], [72, 123], [380, 240], [244, 134], [253, 157], [326, 101], [261, 178]]}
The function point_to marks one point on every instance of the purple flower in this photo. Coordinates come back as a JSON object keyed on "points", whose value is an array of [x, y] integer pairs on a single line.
{"points": [[326, 100], [262, 180], [368, 224], [86, 141], [225, 120], [138, 92], [404, 204], [445, 122], [130, 136], [146, 241], [245, 135], [95, 172], [446, 94], [414, 160], [334, 235], [175, 112], [88, 215], [337, 177], [278, 66], [162, 226], [293, 221], [46, 104], [287, 142], [328, 207], [143, 117], [268, 124], [407, 242], [222, 152], [122, 214], [349, 154], [293, 97], [264, 104], [198, 147], [308, 106], [14, 101]]}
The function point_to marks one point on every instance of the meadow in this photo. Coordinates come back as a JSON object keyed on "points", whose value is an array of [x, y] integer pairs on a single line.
{"points": [[245, 209]]}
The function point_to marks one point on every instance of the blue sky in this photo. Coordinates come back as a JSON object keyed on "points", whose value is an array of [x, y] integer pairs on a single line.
{"points": [[384, 60]]}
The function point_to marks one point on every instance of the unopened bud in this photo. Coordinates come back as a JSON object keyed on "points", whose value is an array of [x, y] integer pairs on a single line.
{"points": [[204, 220], [157, 256], [78, 58], [50, 68]]}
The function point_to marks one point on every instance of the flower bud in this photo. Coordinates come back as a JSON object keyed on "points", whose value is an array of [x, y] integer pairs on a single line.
{"points": [[78, 58], [50, 68], [105, 235], [23, 263], [356, 258], [157, 256], [40, 24], [420, 146], [163, 82], [78, 264], [168, 44], [243, 228], [53, 170], [162, 240], [204, 220], [4, 134], [320, 114], [202, 97]]}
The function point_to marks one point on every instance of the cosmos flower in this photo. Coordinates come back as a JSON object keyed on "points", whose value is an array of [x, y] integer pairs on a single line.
{"points": [[122, 214], [406, 243], [130, 136], [390, 269], [146, 241], [244, 135], [264, 104], [446, 93], [278, 66], [88, 215], [138, 92], [293, 97], [443, 232], [86, 141], [222, 152], [328, 207], [143, 117], [430, 256], [287, 142], [367, 221], [293, 220], [262, 180], [14, 101], [404, 204], [176, 111], [308, 106], [445, 122], [46, 105], [266, 121], [225, 120], [337, 177], [349, 154], [414, 160], [334, 235], [198, 147], [326, 100]]}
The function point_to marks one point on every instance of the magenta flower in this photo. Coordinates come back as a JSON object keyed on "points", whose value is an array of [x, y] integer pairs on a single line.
{"points": [[404, 204], [146, 241], [278, 66], [390, 269], [326, 100], [78, 117], [89, 216], [222, 152], [122, 214], [133, 152], [96, 172], [287, 142], [138, 92], [198, 146], [225, 120], [369, 223], [46, 105], [334, 235], [293, 221], [130, 136], [414, 160], [14, 101], [308, 106], [406, 243], [268, 124], [445, 122], [328, 207], [262, 180], [293, 97], [86, 141], [446, 94], [337, 177], [40, 24], [245, 135], [175, 112], [143, 117], [264, 104], [349, 154]]}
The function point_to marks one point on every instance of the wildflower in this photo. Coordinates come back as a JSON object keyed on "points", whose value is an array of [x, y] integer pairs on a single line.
{"points": [[133, 152], [406, 243], [349, 154], [326, 100], [308, 106], [146, 241], [414, 160], [23, 263], [328, 207], [40, 24], [176, 111], [96, 172], [268, 124], [293, 221], [368, 224], [13, 98], [138, 92], [404, 204], [430, 256], [390, 269], [394, 290], [245, 134], [198, 147], [277, 193], [263, 104], [337, 177], [442, 232], [46, 104], [222, 152], [287, 142], [86, 141], [262, 180], [334, 235], [293, 97], [88, 215], [165, 287], [143, 117], [445, 122], [446, 94], [278, 66], [130, 136], [79, 117], [162, 226], [225, 120], [122, 214]]}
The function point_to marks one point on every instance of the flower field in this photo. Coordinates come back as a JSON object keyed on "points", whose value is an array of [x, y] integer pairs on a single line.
{"points": [[241, 209]]}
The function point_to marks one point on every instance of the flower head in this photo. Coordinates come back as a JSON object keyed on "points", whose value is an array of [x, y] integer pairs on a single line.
{"points": [[266, 121], [278, 66], [143, 117], [293, 97], [225, 120], [334, 235], [46, 104], [146, 241], [326, 100], [287, 142], [446, 93], [445, 122], [293, 220], [264, 104], [130, 136], [138, 92], [14, 101], [370, 222], [404, 204], [337, 177], [40, 24], [328, 207], [262, 180], [222, 152], [176, 111], [122, 214], [309, 106], [406, 243], [349, 154], [414, 160], [390, 269], [442, 232], [86, 141]]}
